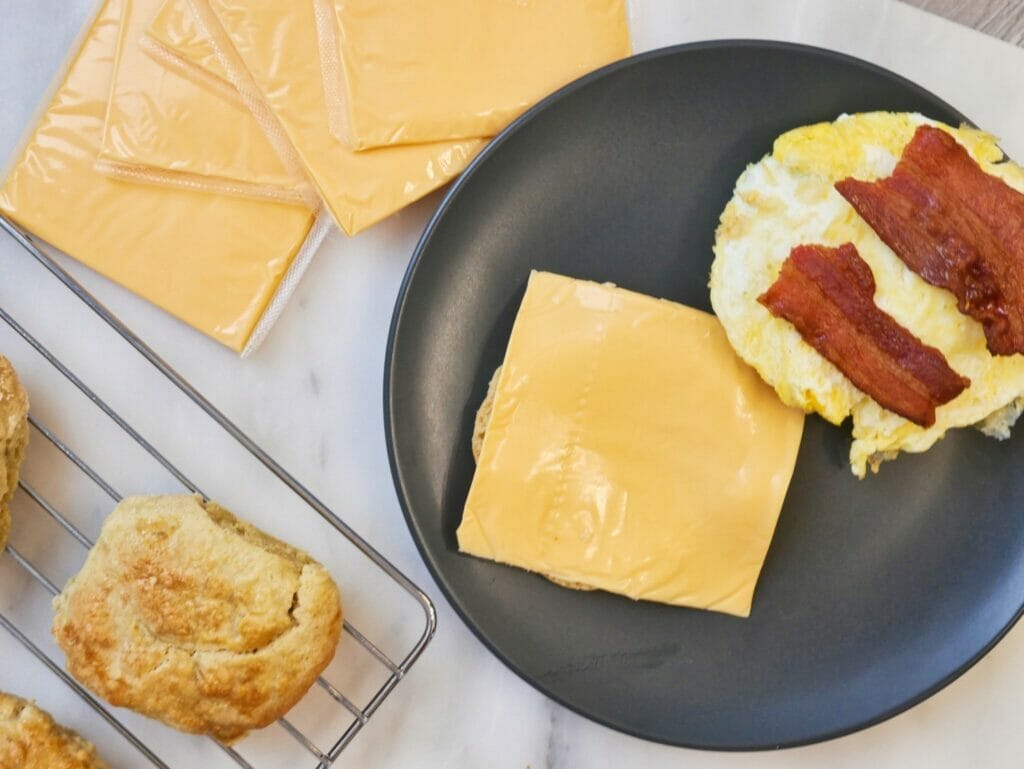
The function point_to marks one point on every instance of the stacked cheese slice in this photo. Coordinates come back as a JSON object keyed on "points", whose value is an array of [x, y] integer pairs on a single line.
{"points": [[194, 150]]}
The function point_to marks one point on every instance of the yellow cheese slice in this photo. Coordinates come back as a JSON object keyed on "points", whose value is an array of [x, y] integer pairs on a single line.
{"points": [[175, 40], [270, 51], [420, 70], [163, 128], [212, 260], [629, 449]]}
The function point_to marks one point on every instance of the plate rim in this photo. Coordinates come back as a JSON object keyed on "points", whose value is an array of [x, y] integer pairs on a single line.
{"points": [[389, 389]]}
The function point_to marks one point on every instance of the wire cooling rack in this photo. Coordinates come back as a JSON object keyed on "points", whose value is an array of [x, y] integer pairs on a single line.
{"points": [[356, 715]]}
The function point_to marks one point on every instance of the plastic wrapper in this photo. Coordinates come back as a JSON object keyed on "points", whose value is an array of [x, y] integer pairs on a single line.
{"points": [[408, 71], [163, 128], [223, 264], [269, 50], [174, 39]]}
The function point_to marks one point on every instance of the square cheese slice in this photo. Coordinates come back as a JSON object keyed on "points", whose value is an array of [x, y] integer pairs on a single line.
{"points": [[419, 70], [164, 128], [269, 50], [629, 449], [214, 261]]}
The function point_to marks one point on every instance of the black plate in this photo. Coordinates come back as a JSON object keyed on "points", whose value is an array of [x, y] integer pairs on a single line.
{"points": [[875, 594]]}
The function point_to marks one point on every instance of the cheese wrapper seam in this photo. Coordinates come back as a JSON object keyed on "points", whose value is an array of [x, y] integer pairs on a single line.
{"points": [[164, 128], [209, 50], [167, 57], [141, 174], [289, 282], [270, 53], [331, 71], [213, 261]]}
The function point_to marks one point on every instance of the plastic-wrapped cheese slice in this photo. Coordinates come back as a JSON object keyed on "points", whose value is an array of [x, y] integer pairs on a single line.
{"points": [[269, 50], [163, 128], [629, 449], [214, 261], [175, 40], [407, 71]]}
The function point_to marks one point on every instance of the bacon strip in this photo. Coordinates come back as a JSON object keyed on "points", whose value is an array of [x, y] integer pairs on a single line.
{"points": [[957, 227], [828, 295]]}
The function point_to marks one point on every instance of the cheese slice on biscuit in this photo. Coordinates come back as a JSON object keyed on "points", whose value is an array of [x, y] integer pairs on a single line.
{"points": [[630, 450]]}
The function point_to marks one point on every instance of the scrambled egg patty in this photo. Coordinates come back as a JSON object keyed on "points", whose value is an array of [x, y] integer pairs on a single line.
{"points": [[788, 198]]}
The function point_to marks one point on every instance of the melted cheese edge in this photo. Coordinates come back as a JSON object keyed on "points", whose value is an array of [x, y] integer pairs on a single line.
{"points": [[629, 449]]}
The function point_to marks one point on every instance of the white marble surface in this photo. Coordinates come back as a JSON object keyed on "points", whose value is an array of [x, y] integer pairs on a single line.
{"points": [[312, 397]]}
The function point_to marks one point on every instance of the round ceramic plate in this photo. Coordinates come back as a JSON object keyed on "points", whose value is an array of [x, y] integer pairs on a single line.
{"points": [[875, 593]]}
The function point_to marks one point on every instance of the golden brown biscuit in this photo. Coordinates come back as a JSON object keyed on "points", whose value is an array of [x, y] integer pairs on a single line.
{"points": [[13, 439], [31, 739], [191, 616], [483, 416]]}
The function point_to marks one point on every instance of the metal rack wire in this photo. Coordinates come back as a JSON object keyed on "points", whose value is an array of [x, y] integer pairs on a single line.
{"points": [[395, 670]]}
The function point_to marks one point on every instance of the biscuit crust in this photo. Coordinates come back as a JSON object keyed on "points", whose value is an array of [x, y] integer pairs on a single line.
{"points": [[31, 739], [188, 615], [13, 440]]}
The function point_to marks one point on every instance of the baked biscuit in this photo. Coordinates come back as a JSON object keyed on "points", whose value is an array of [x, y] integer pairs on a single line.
{"points": [[31, 739], [483, 416], [188, 615], [13, 439]]}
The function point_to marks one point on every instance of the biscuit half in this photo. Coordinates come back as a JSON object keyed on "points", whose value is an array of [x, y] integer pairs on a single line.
{"points": [[13, 440], [31, 739], [189, 615]]}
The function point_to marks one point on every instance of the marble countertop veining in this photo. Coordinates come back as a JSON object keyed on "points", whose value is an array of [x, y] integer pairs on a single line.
{"points": [[312, 398]]}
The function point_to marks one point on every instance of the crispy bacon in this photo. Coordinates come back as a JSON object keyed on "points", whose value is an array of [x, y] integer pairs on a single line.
{"points": [[828, 295], [957, 227]]}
